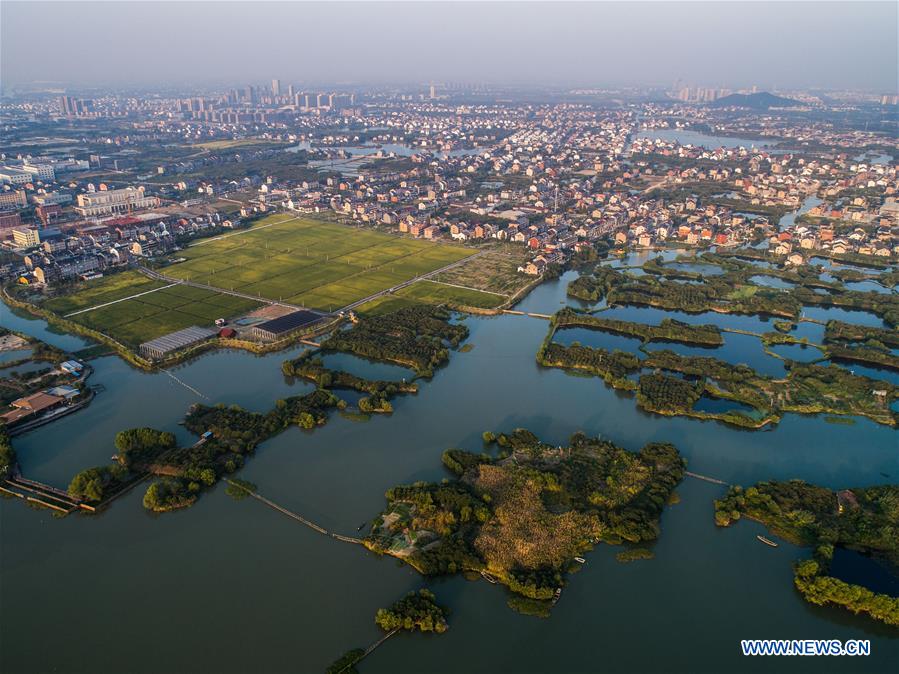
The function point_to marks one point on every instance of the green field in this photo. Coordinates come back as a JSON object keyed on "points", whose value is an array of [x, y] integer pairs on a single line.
{"points": [[140, 319], [230, 144], [311, 263], [439, 293]]}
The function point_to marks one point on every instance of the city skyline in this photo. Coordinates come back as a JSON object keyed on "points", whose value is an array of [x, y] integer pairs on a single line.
{"points": [[516, 44]]}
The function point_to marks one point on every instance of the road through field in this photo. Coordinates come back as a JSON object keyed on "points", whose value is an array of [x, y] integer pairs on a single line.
{"points": [[421, 277], [174, 282], [193, 284]]}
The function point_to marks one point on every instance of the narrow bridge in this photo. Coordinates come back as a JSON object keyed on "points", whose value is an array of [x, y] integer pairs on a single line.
{"points": [[293, 515], [706, 478]]}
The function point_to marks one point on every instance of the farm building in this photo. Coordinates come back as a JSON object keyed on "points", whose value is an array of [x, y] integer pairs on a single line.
{"points": [[160, 347], [279, 327]]}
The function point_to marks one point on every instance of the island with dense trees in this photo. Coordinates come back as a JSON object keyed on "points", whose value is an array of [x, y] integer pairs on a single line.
{"points": [[521, 517], [309, 366], [861, 519], [671, 384], [669, 330], [416, 612], [412, 337], [850, 343], [593, 287], [732, 291], [228, 435]]}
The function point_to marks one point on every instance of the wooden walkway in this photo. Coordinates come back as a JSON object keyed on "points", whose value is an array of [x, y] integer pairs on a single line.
{"points": [[368, 651], [706, 478], [295, 516]]}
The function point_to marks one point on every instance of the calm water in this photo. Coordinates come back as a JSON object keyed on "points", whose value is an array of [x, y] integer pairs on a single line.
{"points": [[141, 593], [12, 355], [685, 137], [771, 282], [854, 567], [718, 405], [808, 204]]}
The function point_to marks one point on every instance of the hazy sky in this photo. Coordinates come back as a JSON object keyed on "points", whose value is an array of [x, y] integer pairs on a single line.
{"points": [[780, 44]]}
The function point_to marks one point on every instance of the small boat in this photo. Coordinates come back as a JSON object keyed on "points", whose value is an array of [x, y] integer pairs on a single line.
{"points": [[557, 594], [486, 576], [580, 560], [767, 541], [361, 526]]}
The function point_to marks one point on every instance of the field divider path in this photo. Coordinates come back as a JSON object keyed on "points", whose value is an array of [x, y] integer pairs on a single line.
{"points": [[421, 277], [456, 285], [123, 299], [224, 291], [243, 231]]}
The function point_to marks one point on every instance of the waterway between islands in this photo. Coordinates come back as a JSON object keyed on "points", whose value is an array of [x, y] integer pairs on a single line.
{"points": [[232, 586]]}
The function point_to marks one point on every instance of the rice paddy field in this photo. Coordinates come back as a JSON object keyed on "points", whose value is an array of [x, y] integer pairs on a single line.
{"points": [[311, 263], [157, 310], [432, 292]]}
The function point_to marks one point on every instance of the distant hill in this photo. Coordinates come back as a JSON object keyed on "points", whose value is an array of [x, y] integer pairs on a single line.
{"points": [[760, 101]]}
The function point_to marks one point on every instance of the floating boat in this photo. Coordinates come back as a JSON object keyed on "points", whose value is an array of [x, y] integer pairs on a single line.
{"points": [[767, 541], [361, 526], [580, 560], [557, 594], [488, 577]]}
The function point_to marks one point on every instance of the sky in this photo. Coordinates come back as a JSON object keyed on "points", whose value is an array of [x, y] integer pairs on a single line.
{"points": [[778, 45]]}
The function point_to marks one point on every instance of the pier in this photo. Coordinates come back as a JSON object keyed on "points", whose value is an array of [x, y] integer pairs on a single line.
{"points": [[41, 494]]}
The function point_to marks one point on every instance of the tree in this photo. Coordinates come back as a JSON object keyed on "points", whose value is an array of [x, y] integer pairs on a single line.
{"points": [[90, 484], [142, 444]]}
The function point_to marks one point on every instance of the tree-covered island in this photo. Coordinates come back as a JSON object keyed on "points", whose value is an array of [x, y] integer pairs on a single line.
{"points": [[865, 520], [413, 337], [668, 383], [732, 292], [521, 518]]}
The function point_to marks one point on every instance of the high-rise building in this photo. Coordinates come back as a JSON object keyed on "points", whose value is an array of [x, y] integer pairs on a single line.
{"points": [[276, 87], [290, 92], [433, 92]]}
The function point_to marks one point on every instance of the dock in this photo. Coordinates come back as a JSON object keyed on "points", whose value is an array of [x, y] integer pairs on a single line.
{"points": [[41, 494]]}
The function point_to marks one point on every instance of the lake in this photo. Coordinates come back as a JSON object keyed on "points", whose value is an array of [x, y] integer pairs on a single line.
{"points": [[142, 593], [687, 137]]}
